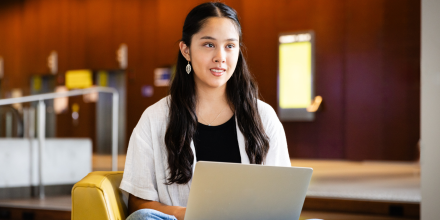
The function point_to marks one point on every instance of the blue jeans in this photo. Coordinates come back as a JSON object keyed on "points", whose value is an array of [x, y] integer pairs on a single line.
{"points": [[149, 214]]}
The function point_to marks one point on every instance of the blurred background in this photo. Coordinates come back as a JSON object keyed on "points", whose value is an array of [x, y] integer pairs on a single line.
{"points": [[365, 63]]}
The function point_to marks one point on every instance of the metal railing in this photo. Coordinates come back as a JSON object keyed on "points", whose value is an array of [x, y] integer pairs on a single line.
{"points": [[42, 121]]}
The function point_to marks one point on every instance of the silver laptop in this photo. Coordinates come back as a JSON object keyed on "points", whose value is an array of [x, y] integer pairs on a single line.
{"points": [[228, 191]]}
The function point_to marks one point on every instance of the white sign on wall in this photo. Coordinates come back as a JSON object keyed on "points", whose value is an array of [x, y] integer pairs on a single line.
{"points": [[52, 62], [122, 56], [162, 77]]}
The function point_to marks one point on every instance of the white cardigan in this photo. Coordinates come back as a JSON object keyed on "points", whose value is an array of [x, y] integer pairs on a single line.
{"points": [[146, 164]]}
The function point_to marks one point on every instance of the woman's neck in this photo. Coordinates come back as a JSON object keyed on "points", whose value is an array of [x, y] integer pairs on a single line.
{"points": [[214, 97], [212, 106]]}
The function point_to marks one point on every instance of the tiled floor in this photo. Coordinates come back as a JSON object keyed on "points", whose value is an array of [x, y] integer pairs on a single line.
{"points": [[61, 203], [378, 181]]}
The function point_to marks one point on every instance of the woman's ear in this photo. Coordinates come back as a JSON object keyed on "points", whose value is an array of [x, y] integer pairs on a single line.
{"points": [[184, 50]]}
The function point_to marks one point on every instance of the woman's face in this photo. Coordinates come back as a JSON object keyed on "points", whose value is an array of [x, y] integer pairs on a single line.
{"points": [[214, 53]]}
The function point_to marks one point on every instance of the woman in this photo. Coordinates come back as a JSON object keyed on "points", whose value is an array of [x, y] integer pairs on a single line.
{"points": [[212, 114]]}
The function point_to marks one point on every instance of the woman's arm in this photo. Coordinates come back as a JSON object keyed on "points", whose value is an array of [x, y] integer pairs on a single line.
{"points": [[135, 203]]}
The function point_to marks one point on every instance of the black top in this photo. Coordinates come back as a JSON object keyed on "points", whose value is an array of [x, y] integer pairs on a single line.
{"points": [[217, 143]]}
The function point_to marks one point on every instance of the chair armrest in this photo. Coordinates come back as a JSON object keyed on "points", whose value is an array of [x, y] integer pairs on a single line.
{"points": [[97, 196]]}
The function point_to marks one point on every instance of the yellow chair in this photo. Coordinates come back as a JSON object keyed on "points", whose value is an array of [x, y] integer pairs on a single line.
{"points": [[97, 196]]}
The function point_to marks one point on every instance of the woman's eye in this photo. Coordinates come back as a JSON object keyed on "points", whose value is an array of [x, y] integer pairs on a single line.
{"points": [[230, 46], [209, 45]]}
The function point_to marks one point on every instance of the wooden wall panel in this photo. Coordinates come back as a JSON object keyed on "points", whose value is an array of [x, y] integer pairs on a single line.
{"points": [[401, 79], [364, 86], [72, 56], [100, 47], [128, 26], [367, 61], [328, 21], [33, 59], [262, 22], [76, 36], [141, 68], [11, 20], [382, 80], [83, 127], [44, 31]]}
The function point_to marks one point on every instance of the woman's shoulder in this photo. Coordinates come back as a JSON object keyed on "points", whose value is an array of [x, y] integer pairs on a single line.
{"points": [[159, 107], [266, 111], [157, 111]]}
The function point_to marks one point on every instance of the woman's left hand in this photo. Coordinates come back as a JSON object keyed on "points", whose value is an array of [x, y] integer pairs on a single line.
{"points": [[180, 213]]}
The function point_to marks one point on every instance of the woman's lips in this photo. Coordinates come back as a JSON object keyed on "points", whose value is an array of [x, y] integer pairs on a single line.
{"points": [[217, 72]]}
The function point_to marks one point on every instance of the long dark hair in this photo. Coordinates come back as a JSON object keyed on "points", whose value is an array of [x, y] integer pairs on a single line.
{"points": [[241, 92]]}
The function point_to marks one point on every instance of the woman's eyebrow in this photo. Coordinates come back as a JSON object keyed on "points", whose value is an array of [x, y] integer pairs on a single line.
{"points": [[211, 38], [208, 37]]}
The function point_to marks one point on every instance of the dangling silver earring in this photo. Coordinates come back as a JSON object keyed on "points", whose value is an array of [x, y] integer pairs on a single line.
{"points": [[188, 68]]}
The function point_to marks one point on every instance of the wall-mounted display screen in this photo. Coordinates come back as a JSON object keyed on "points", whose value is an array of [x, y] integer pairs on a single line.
{"points": [[295, 76]]}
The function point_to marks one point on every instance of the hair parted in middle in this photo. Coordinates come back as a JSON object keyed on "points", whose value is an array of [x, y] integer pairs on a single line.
{"points": [[241, 92]]}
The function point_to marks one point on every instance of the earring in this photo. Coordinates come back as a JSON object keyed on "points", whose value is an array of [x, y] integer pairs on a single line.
{"points": [[188, 68]]}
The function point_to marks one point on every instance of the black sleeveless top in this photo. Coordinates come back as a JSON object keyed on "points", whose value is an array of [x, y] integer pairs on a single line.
{"points": [[217, 143]]}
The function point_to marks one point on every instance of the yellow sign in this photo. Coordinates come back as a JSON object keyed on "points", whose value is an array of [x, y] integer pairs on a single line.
{"points": [[295, 82], [102, 78], [75, 107], [79, 79], [37, 83]]}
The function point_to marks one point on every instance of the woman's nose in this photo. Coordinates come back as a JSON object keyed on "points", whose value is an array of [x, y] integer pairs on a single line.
{"points": [[220, 56]]}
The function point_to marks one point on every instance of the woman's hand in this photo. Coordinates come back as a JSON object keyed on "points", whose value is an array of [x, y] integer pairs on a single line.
{"points": [[180, 213], [135, 203]]}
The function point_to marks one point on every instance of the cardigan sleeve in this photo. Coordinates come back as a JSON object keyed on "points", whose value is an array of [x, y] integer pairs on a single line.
{"points": [[139, 177], [278, 154]]}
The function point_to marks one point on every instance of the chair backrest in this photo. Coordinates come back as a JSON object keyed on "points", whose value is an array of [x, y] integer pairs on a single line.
{"points": [[97, 196]]}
